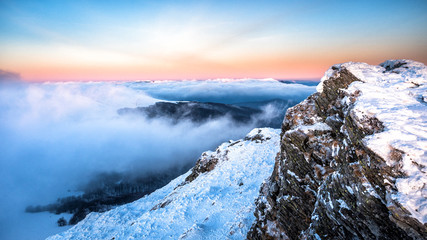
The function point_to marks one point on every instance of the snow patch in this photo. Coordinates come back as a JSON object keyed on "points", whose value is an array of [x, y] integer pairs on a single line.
{"points": [[343, 204]]}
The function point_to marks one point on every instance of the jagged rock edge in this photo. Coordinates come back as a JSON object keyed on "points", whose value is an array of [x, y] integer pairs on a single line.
{"points": [[271, 225]]}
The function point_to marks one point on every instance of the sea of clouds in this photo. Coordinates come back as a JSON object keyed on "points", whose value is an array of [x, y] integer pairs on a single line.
{"points": [[56, 136]]}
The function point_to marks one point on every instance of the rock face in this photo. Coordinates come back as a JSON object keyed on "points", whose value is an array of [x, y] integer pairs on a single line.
{"points": [[344, 170]]}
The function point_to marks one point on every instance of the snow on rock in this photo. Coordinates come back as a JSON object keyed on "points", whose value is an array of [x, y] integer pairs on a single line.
{"points": [[393, 93], [353, 158], [218, 203]]}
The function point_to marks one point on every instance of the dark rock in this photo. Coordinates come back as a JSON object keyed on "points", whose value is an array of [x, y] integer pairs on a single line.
{"points": [[256, 138], [194, 111], [205, 163], [61, 222], [392, 65]]}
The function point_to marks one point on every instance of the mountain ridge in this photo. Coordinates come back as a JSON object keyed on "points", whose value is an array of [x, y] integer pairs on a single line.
{"points": [[351, 165], [344, 152]]}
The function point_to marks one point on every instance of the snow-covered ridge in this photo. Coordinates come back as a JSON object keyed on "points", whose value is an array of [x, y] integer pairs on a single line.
{"points": [[217, 204], [395, 93], [353, 158]]}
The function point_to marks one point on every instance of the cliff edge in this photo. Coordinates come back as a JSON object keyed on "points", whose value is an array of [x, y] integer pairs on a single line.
{"points": [[353, 157]]}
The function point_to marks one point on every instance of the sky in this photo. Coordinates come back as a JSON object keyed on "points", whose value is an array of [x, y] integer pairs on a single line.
{"points": [[152, 40]]}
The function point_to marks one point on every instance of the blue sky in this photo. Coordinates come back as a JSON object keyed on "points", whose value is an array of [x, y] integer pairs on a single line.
{"points": [[128, 40]]}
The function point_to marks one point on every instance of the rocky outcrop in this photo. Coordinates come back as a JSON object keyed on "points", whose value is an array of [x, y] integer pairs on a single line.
{"points": [[209, 160], [328, 181]]}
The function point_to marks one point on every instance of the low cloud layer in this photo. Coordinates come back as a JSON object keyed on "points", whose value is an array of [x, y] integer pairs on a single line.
{"points": [[225, 90], [55, 137]]}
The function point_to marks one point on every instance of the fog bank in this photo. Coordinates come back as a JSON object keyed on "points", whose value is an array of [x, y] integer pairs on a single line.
{"points": [[56, 136]]}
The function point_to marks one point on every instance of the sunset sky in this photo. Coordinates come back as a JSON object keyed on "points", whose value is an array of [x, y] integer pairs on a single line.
{"points": [[148, 40]]}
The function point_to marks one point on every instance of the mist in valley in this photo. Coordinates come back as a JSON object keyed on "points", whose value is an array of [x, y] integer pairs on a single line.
{"points": [[67, 139]]}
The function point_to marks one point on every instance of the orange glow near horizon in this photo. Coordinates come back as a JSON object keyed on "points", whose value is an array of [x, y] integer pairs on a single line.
{"points": [[294, 68], [72, 41], [254, 69]]}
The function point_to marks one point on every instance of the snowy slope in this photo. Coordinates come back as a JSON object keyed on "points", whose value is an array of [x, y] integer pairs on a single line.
{"points": [[217, 204], [395, 92]]}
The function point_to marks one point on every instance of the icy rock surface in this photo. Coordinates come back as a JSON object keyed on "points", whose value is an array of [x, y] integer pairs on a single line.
{"points": [[214, 200], [353, 159]]}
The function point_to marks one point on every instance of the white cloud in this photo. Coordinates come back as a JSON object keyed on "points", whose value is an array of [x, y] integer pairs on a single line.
{"points": [[225, 90]]}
